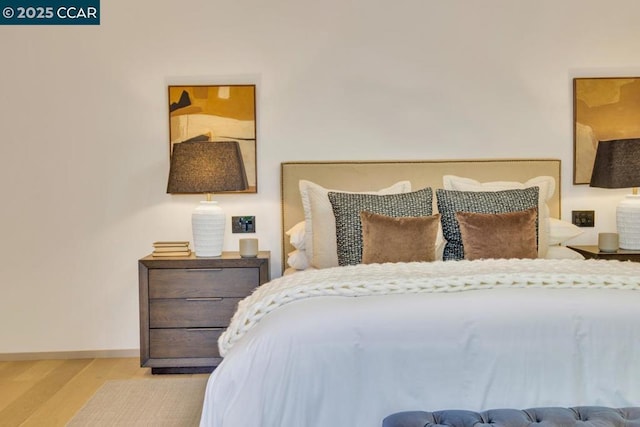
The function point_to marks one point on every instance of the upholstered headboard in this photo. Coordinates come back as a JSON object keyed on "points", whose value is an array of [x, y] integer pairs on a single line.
{"points": [[372, 175]]}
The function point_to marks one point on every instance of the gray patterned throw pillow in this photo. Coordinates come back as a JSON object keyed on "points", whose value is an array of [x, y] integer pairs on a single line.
{"points": [[488, 202], [347, 208]]}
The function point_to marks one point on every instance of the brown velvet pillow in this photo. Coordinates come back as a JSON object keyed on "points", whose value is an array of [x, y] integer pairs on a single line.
{"points": [[503, 235], [398, 239]]}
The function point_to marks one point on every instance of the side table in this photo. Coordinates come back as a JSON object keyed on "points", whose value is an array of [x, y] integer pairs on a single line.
{"points": [[187, 302], [592, 252]]}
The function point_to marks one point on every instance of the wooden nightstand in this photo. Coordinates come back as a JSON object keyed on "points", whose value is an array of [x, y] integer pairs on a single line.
{"points": [[592, 252], [187, 302]]}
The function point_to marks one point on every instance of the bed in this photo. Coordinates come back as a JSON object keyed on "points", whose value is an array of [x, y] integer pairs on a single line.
{"points": [[348, 344]]}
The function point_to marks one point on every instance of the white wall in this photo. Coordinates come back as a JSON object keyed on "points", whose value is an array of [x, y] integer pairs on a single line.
{"points": [[84, 124]]}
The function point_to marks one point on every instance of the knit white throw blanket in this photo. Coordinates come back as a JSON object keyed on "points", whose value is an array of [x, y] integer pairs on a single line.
{"points": [[439, 276]]}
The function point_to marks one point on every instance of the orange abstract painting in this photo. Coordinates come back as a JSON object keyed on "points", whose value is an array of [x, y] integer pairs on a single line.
{"points": [[216, 113], [604, 109]]}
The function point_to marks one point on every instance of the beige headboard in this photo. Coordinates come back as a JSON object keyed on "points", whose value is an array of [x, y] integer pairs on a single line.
{"points": [[372, 175]]}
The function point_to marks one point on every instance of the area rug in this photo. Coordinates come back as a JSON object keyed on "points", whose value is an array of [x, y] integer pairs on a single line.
{"points": [[144, 402]]}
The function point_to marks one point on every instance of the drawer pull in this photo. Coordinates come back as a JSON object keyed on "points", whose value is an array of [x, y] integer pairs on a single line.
{"points": [[203, 269], [205, 299], [204, 329]]}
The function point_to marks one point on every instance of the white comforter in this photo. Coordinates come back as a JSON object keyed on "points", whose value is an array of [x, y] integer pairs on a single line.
{"points": [[302, 351]]}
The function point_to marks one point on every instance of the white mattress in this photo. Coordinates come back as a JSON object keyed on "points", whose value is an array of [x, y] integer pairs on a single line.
{"points": [[351, 361]]}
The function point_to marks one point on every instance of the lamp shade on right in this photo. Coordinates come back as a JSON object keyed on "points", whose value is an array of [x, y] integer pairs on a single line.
{"points": [[617, 165]]}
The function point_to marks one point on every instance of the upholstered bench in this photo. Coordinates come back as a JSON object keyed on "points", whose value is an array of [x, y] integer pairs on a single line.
{"points": [[582, 416]]}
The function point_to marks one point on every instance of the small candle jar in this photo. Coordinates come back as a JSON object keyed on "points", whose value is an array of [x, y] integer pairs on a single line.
{"points": [[608, 242], [248, 248]]}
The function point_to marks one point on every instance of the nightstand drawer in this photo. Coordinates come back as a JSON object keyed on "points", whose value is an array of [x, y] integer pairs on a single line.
{"points": [[196, 282], [169, 343], [191, 312]]}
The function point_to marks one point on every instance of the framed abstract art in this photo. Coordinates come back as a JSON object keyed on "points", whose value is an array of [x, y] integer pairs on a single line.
{"points": [[604, 108], [216, 113]]}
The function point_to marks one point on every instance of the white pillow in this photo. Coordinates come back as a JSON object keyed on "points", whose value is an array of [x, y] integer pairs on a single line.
{"points": [[546, 185], [298, 260], [296, 235], [561, 231], [562, 252], [320, 224]]}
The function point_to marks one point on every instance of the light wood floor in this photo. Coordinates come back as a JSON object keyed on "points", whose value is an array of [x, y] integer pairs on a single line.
{"points": [[48, 393]]}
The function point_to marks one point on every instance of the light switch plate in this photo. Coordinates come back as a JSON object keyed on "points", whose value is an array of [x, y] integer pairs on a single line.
{"points": [[583, 218], [243, 224]]}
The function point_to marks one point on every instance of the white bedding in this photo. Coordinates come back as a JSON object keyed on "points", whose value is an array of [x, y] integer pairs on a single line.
{"points": [[563, 333]]}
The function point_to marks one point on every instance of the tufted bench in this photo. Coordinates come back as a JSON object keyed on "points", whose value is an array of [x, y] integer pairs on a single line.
{"points": [[582, 416]]}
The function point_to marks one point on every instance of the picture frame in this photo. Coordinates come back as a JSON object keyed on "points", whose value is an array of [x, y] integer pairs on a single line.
{"points": [[604, 108], [216, 113]]}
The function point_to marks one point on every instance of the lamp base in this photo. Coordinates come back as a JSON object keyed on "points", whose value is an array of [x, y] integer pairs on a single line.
{"points": [[628, 222], [207, 222]]}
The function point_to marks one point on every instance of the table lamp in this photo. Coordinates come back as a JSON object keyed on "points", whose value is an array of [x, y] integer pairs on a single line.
{"points": [[207, 167], [617, 165]]}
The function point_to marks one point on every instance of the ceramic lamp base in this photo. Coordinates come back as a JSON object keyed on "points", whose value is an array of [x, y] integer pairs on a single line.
{"points": [[207, 222], [628, 222]]}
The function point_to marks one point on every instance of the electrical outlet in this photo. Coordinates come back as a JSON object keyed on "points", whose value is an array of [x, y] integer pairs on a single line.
{"points": [[243, 224], [583, 218]]}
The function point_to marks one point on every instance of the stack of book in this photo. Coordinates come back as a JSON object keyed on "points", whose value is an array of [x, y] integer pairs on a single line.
{"points": [[171, 249]]}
